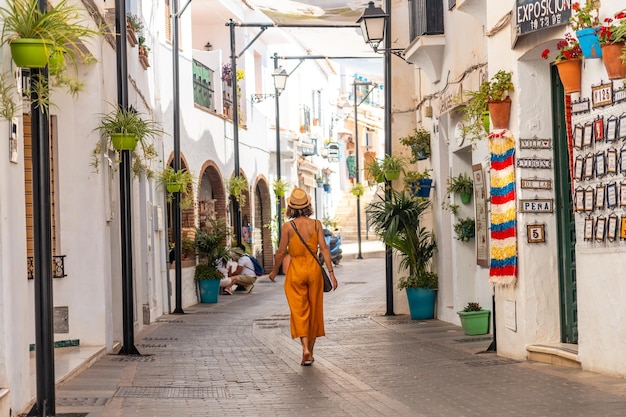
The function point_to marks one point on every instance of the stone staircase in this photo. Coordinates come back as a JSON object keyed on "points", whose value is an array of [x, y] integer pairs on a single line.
{"points": [[345, 213]]}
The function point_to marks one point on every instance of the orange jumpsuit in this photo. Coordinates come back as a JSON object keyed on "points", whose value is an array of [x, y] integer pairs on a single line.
{"points": [[304, 288]]}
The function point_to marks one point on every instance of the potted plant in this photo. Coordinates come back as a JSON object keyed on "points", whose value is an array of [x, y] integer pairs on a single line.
{"points": [[419, 142], [134, 25], [211, 248], [612, 38], [392, 166], [177, 182], [396, 221], [357, 189], [236, 186], [123, 129], [418, 183], [32, 34], [568, 63], [585, 21], [474, 319], [374, 170], [492, 97], [143, 52], [465, 229], [463, 185], [280, 187]]}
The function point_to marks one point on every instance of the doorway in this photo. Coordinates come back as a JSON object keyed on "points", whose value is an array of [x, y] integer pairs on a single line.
{"points": [[564, 210]]}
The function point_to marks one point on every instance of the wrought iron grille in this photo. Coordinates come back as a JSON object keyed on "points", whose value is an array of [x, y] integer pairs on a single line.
{"points": [[58, 267]]}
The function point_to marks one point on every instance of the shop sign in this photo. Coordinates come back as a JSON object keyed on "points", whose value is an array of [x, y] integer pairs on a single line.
{"points": [[538, 205], [533, 15]]}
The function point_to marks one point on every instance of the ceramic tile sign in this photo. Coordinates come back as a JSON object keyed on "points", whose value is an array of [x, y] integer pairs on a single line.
{"points": [[580, 106], [535, 143], [602, 95], [536, 206], [535, 163], [536, 184], [536, 233]]}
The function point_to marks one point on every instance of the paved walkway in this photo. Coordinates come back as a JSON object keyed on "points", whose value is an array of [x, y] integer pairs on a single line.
{"points": [[236, 358]]}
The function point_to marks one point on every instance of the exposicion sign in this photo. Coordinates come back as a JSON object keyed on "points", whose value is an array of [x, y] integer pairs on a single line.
{"points": [[533, 15]]}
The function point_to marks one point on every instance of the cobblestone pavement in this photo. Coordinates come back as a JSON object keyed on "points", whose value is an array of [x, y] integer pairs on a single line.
{"points": [[236, 358]]}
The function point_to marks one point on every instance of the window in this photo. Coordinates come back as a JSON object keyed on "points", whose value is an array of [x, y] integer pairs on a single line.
{"points": [[425, 18], [203, 85]]}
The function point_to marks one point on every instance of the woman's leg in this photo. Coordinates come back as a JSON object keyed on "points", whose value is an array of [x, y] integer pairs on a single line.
{"points": [[311, 346], [306, 352]]}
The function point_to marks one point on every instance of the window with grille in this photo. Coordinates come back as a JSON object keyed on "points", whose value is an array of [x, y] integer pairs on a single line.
{"points": [[203, 85]]}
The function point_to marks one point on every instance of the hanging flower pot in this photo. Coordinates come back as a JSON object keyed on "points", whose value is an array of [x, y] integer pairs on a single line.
{"points": [[570, 73], [30, 53], [392, 175], [465, 197], [615, 67], [425, 185], [500, 112], [589, 43], [174, 187], [124, 142]]}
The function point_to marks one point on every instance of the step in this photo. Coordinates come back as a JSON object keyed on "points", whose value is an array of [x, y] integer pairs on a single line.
{"points": [[561, 354]]}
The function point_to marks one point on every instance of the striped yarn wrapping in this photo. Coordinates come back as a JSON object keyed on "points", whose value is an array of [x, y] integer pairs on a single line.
{"points": [[503, 264]]}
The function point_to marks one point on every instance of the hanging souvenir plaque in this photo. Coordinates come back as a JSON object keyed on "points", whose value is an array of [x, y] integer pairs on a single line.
{"points": [[598, 130], [589, 166], [611, 129], [611, 161], [589, 195], [621, 127], [579, 203], [588, 134], [600, 229], [611, 195], [588, 231], [578, 136], [611, 228], [600, 191], [600, 165]]}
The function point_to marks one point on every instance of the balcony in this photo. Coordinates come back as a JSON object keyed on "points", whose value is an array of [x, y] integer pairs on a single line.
{"points": [[428, 41], [58, 267]]}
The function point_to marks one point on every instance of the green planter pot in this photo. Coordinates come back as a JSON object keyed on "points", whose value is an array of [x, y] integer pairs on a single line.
{"points": [[124, 142], [421, 303], [475, 322], [30, 53], [209, 289], [174, 187], [466, 197], [392, 175]]}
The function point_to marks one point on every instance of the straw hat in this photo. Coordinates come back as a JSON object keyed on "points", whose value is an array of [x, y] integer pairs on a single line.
{"points": [[298, 199]]}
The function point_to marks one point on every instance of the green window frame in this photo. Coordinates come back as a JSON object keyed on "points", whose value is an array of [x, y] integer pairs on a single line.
{"points": [[203, 91]]}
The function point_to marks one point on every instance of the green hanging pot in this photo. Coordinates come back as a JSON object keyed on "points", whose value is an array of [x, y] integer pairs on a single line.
{"points": [[30, 53], [466, 197], [174, 187], [124, 142], [392, 175]]}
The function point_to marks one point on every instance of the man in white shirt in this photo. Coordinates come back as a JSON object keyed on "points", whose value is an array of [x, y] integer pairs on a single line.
{"points": [[244, 274]]}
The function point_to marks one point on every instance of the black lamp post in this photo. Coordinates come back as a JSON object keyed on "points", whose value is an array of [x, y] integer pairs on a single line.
{"points": [[374, 25], [280, 81]]}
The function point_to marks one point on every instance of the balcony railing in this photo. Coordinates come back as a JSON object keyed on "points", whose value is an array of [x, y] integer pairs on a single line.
{"points": [[58, 267], [426, 18]]}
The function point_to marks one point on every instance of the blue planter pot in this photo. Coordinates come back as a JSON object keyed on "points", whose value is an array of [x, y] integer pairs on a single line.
{"points": [[327, 188], [421, 303], [589, 43], [209, 289], [424, 188]]}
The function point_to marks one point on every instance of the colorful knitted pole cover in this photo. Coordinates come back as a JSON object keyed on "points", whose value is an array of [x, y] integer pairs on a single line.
{"points": [[503, 265]]}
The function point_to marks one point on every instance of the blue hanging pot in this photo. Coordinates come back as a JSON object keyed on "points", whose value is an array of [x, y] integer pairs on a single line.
{"points": [[589, 43]]}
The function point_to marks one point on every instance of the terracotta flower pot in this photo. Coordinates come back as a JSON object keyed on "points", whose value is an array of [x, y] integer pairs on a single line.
{"points": [[570, 73], [500, 112], [611, 56]]}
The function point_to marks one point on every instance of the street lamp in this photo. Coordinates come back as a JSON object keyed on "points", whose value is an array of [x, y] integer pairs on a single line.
{"points": [[374, 24], [280, 81]]}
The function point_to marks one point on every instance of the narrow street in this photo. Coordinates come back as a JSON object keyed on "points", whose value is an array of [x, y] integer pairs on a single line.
{"points": [[236, 358]]}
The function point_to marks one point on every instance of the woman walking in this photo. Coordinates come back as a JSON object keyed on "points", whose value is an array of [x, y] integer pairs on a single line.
{"points": [[304, 286]]}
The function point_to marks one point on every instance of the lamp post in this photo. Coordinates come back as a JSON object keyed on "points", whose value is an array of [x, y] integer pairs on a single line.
{"points": [[374, 25], [356, 145], [280, 81]]}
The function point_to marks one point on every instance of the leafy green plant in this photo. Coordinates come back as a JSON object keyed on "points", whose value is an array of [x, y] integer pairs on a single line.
{"points": [[465, 229], [8, 97], [392, 165], [211, 248], [374, 169], [496, 89], [461, 184], [419, 142], [396, 221], [472, 307], [357, 189], [134, 22], [131, 122], [181, 178], [330, 223], [280, 187], [236, 186]]}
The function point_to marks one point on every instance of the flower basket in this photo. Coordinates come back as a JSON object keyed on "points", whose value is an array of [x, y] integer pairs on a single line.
{"points": [[589, 43], [615, 67], [570, 74], [30, 53], [424, 187], [500, 112], [475, 322], [174, 187]]}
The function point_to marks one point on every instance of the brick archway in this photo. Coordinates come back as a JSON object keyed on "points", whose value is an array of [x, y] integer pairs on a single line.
{"points": [[212, 202], [262, 236]]}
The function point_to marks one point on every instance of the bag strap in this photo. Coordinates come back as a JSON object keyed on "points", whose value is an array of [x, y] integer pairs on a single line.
{"points": [[303, 242]]}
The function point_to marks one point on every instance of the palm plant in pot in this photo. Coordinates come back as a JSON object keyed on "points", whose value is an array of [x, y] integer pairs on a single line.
{"points": [[474, 319], [211, 248], [397, 222], [177, 181]]}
